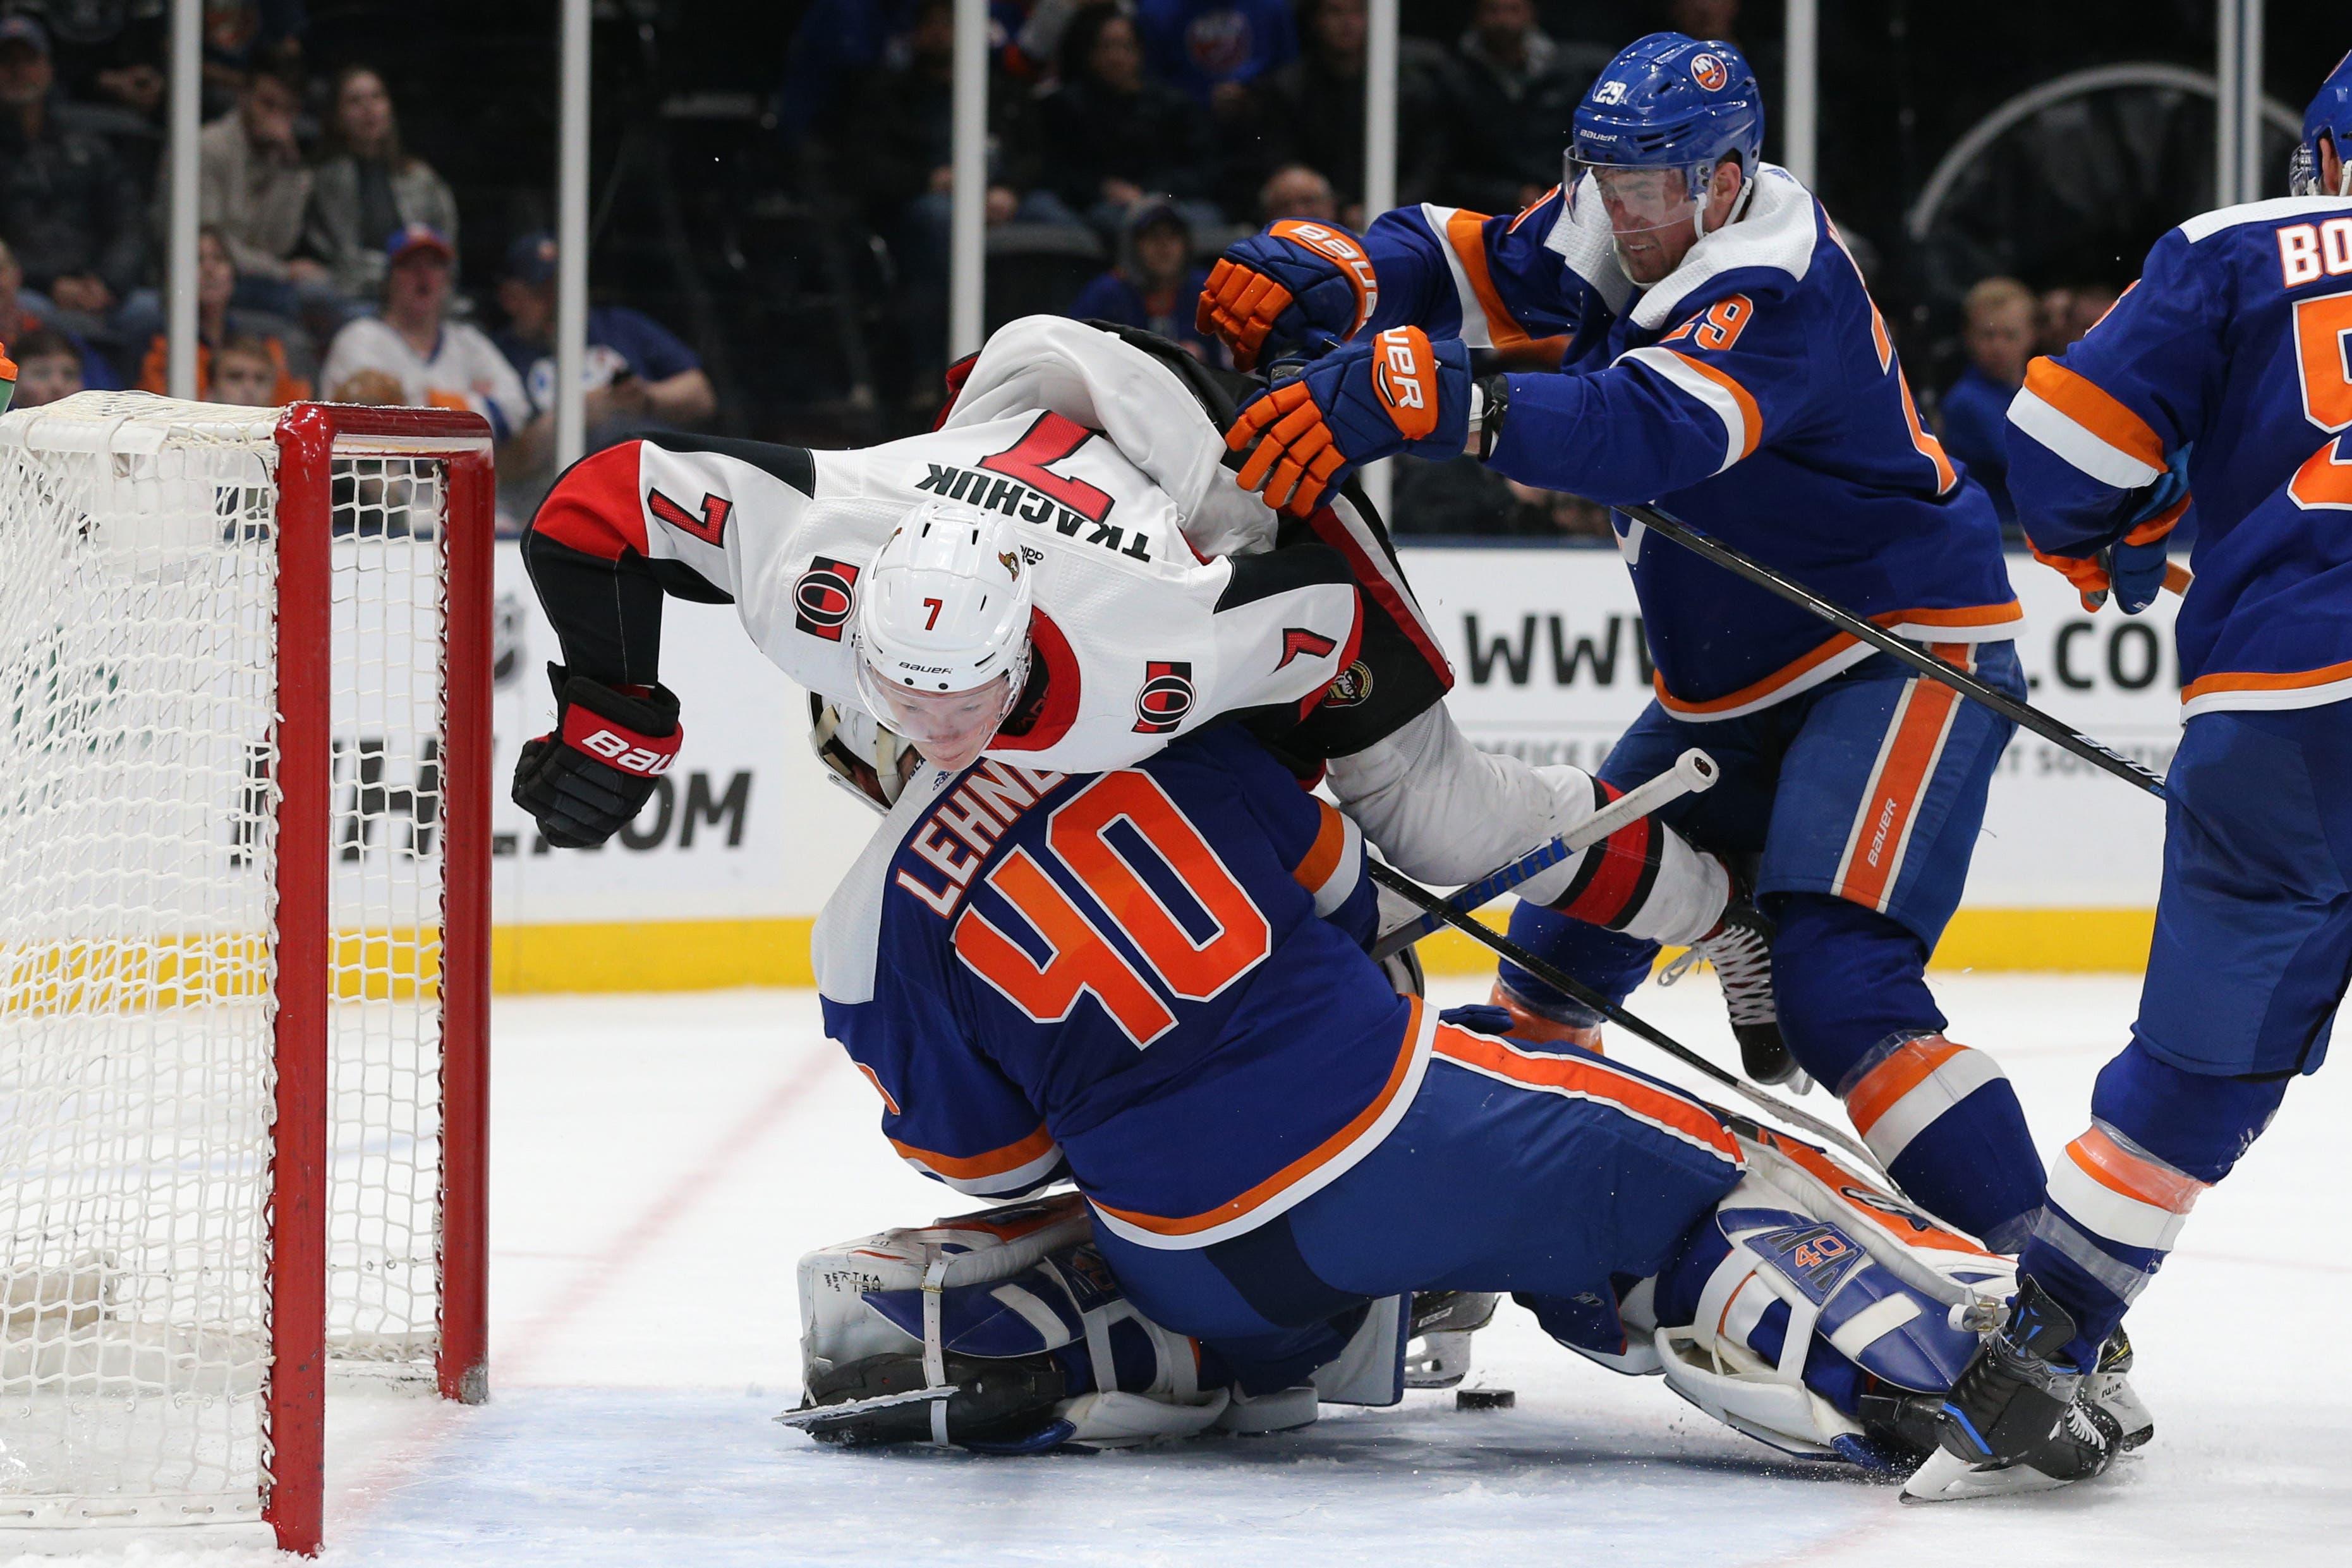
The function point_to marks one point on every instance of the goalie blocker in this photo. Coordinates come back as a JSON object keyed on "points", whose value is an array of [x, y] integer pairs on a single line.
{"points": [[1811, 1311]]}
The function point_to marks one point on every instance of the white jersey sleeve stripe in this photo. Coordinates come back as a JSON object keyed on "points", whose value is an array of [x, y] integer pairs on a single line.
{"points": [[1679, 373], [2077, 444]]}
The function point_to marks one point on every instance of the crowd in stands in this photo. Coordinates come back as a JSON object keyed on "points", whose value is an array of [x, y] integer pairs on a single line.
{"points": [[327, 255], [1134, 139]]}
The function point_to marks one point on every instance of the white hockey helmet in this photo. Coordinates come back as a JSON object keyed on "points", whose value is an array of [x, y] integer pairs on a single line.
{"points": [[943, 629]]}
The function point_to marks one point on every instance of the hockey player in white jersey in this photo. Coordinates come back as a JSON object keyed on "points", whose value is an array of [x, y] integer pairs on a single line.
{"points": [[1062, 576]]}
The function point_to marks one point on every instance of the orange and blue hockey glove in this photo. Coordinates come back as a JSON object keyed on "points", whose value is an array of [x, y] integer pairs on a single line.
{"points": [[1361, 401], [1298, 282], [2134, 568]]}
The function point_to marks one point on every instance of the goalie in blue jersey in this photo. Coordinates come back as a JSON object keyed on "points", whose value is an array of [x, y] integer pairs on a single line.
{"points": [[1720, 357]]}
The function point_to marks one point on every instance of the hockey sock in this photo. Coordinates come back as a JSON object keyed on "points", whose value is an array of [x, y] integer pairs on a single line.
{"points": [[1857, 1013], [1609, 961], [2159, 1135]]}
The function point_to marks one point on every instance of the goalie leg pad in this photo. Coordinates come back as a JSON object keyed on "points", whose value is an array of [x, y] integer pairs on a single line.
{"points": [[1814, 1308], [1002, 1331]]}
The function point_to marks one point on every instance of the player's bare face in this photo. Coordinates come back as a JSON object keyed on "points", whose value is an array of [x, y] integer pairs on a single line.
{"points": [[1652, 218], [950, 729]]}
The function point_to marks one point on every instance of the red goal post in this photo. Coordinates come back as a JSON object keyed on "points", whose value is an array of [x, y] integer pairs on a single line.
{"points": [[244, 1002]]}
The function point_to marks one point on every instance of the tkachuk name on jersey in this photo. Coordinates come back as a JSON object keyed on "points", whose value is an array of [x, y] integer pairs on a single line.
{"points": [[976, 812], [1015, 499]]}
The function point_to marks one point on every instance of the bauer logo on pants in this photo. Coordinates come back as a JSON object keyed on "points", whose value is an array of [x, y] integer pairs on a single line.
{"points": [[1166, 696], [823, 597]]}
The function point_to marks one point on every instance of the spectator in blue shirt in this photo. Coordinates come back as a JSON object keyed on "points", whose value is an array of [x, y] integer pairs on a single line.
{"points": [[638, 373], [1213, 49], [1154, 284], [2000, 338]]}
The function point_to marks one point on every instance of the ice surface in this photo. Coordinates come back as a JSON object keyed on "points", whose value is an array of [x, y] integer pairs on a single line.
{"points": [[659, 1162]]}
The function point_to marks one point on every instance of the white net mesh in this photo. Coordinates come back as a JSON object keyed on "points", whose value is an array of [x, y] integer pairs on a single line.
{"points": [[138, 842]]}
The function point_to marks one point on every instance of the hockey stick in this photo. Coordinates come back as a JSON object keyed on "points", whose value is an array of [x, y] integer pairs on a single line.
{"points": [[1694, 773], [2020, 714], [1560, 979]]}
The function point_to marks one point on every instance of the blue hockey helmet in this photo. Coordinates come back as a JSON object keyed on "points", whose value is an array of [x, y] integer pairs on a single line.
{"points": [[2330, 115], [1671, 101]]}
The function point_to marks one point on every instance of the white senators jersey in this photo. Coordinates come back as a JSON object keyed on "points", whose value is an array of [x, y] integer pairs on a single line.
{"points": [[1137, 637]]}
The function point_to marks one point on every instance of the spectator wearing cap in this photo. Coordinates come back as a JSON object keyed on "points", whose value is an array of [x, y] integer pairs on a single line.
{"points": [[1515, 97], [24, 313], [1154, 284], [2003, 319], [414, 354], [67, 206], [367, 185], [636, 371], [218, 319]]}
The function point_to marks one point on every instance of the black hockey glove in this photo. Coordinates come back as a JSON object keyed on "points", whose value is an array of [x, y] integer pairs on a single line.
{"points": [[587, 778]]}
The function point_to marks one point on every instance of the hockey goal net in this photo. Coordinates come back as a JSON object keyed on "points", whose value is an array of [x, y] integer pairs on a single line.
{"points": [[243, 945]]}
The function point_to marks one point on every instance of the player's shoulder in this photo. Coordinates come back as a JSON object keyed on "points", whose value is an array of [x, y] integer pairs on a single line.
{"points": [[2259, 220], [1781, 249]]}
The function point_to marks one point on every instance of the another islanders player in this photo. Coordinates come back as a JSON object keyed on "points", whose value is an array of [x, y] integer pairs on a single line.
{"points": [[1722, 358], [2224, 375]]}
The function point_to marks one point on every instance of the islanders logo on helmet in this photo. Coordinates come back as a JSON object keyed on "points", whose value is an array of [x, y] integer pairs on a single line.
{"points": [[1709, 71], [1671, 101]]}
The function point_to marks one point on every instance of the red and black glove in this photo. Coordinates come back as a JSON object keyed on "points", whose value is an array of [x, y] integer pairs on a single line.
{"points": [[589, 776]]}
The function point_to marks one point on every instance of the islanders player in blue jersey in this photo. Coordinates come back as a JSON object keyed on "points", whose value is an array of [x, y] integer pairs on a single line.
{"points": [[1722, 358], [2219, 387], [1152, 982]]}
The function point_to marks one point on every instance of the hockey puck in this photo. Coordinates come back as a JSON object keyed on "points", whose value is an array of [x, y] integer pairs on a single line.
{"points": [[1485, 1398]]}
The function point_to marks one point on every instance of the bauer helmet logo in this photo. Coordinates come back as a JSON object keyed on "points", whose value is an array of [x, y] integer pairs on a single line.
{"points": [[1405, 378], [1166, 697], [823, 597], [1709, 72]]}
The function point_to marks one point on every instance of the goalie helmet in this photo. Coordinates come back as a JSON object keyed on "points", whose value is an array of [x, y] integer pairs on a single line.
{"points": [[943, 629]]}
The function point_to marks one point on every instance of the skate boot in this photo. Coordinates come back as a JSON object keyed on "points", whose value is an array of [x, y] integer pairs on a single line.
{"points": [[1437, 1354], [2016, 1419], [1740, 948], [2110, 1388]]}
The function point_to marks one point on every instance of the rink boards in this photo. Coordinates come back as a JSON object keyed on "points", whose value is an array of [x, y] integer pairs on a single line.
{"points": [[716, 882]]}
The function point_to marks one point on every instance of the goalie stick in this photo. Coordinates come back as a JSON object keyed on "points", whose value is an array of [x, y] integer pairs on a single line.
{"points": [[2023, 714], [1560, 979], [1694, 773]]}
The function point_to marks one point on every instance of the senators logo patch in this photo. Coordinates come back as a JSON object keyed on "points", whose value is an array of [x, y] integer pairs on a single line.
{"points": [[1298, 640], [823, 597], [1166, 697], [1709, 72], [1352, 689]]}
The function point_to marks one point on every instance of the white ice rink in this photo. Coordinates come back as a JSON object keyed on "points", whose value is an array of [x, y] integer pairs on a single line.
{"points": [[659, 1162]]}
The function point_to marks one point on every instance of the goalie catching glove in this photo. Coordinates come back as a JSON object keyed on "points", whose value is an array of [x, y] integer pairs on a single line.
{"points": [[589, 776], [1362, 401]]}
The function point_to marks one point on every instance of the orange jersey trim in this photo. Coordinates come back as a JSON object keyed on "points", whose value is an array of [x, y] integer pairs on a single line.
{"points": [[2095, 409], [1798, 668], [1752, 417], [1591, 1081], [980, 1167], [1322, 857], [1464, 232], [1297, 1170], [2244, 681]]}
